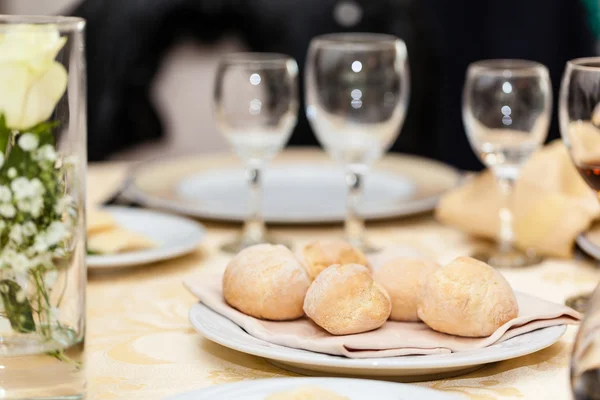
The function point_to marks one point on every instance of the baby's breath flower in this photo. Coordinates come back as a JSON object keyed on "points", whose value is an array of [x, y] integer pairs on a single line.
{"points": [[63, 204], [7, 210], [12, 173], [29, 228], [16, 234], [28, 141], [24, 188], [45, 153], [5, 194], [33, 206], [56, 232]]}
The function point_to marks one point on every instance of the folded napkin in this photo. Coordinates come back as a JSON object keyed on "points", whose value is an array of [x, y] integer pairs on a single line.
{"points": [[551, 204], [391, 340]]}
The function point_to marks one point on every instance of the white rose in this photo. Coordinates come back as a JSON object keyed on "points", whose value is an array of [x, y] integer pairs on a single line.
{"points": [[31, 81]]}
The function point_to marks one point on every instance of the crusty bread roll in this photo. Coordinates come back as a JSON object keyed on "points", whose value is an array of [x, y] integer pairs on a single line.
{"points": [[307, 393], [266, 281], [403, 279], [318, 255], [344, 299], [467, 298]]}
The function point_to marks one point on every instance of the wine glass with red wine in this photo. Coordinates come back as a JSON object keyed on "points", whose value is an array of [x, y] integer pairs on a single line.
{"points": [[579, 117], [585, 360]]}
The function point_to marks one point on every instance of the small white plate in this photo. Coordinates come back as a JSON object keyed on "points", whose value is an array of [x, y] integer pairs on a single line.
{"points": [[304, 187], [221, 330], [354, 389], [174, 236]]}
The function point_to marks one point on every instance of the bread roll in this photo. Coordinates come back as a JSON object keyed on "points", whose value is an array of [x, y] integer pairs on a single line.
{"points": [[266, 281], [467, 298], [403, 279], [344, 299], [318, 255], [307, 393]]}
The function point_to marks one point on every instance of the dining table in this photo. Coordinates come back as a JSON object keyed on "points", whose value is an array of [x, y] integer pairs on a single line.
{"points": [[140, 344]]}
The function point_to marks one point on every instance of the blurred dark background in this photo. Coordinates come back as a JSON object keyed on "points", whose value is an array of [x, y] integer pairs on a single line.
{"points": [[150, 62]]}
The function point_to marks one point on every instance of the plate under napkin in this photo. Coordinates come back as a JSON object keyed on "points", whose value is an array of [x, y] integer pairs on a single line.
{"points": [[391, 340]]}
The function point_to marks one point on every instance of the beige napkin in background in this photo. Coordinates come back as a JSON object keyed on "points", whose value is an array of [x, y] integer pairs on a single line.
{"points": [[391, 340], [551, 204]]}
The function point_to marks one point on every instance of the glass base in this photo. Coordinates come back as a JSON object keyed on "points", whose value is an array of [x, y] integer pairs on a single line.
{"points": [[579, 303], [510, 259], [363, 245], [243, 242]]}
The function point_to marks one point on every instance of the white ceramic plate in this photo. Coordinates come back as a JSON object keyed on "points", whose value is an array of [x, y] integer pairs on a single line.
{"points": [[175, 236], [354, 389], [295, 191], [221, 330]]}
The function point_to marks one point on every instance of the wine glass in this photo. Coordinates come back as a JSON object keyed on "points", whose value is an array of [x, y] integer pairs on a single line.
{"points": [[507, 106], [256, 107], [585, 359], [579, 117], [357, 88]]}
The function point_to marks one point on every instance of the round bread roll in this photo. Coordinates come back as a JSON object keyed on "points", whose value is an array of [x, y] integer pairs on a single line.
{"points": [[344, 299], [318, 255], [467, 298], [266, 281], [403, 279]]}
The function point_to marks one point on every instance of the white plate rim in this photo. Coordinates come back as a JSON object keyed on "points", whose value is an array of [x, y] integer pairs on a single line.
{"points": [[588, 246], [406, 208], [396, 363], [281, 383], [135, 258]]}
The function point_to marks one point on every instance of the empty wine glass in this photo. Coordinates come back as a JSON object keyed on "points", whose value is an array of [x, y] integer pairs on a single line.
{"points": [[579, 116], [357, 90], [507, 106], [256, 107], [585, 359]]}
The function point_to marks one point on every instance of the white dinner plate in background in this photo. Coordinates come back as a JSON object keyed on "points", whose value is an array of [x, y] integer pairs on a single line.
{"points": [[354, 389], [173, 235], [301, 187]]}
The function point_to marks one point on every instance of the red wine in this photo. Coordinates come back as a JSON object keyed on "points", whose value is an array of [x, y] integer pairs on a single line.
{"points": [[590, 172], [587, 385]]}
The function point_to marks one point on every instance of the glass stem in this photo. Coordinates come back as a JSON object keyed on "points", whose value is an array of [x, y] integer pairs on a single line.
{"points": [[354, 225], [254, 227], [506, 237]]}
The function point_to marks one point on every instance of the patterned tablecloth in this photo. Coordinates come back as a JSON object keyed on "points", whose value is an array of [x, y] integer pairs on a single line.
{"points": [[140, 344]]}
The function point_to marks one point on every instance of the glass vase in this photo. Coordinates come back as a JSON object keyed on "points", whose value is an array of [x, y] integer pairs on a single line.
{"points": [[42, 207]]}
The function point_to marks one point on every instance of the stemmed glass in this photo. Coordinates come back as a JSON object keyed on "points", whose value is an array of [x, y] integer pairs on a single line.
{"points": [[506, 111], [579, 116], [357, 89], [256, 107]]}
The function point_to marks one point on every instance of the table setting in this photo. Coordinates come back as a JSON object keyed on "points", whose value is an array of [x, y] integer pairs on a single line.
{"points": [[127, 281]]}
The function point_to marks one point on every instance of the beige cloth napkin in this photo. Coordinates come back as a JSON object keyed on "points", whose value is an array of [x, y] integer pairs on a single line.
{"points": [[551, 204], [391, 340]]}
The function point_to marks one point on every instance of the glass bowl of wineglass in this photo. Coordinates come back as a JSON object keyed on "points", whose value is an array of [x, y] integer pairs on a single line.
{"points": [[357, 89], [579, 117]]}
